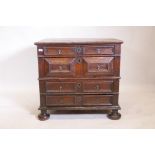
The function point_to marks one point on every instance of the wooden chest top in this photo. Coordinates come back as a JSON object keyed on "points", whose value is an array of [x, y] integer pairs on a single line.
{"points": [[78, 41]]}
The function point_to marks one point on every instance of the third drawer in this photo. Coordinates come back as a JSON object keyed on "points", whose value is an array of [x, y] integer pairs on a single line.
{"points": [[82, 86]]}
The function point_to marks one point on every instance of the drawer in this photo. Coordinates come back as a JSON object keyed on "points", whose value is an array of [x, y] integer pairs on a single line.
{"points": [[61, 100], [62, 87], [71, 86], [94, 86], [59, 51], [98, 50], [59, 67], [97, 100], [79, 66], [98, 65], [79, 100]]}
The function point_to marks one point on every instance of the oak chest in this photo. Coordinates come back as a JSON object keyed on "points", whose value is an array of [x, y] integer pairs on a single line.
{"points": [[79, 74]]}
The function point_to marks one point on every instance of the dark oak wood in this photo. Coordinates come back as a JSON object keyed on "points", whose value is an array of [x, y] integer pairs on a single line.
{"points": [[79, 74]]}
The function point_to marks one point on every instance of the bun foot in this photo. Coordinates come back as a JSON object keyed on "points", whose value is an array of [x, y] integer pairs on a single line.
{"points": [[43, 116], [114, 115]]}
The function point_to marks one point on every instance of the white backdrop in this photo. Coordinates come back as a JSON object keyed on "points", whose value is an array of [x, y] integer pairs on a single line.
{"points": [[18, 58], [19, 96], [19, 110]]}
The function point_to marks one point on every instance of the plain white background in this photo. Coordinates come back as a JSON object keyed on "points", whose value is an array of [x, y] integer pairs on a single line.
{"points": [[88, 13], [19, 74]]}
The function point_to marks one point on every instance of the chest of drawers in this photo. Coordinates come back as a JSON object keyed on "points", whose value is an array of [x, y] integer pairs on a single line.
{"points": [[79, 74]]}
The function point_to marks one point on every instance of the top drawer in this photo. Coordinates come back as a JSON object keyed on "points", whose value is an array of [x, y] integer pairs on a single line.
{"points": [[59, 51], [71, 51], [98, 50]]}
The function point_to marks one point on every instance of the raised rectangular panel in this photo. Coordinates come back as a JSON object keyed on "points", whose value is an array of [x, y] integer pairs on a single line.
{"points": [[59, 67], [98, 65]]}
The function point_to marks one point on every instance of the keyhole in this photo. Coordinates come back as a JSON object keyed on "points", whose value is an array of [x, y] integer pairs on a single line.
{"points": [[79, 60], [79, 85], [60, 88]]}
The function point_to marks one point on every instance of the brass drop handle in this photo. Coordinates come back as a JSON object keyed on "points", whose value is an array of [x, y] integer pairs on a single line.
{"points": [[59, 51], [98, 67], [60, 88], [60, 68], [97, 87], [98, 51]]}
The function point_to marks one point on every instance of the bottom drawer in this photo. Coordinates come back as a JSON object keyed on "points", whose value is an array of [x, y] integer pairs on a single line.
{"points": [[79, 100]]}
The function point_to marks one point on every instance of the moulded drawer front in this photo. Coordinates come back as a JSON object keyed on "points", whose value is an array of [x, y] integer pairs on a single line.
{"points": [[59, 51], [79, 100], [98, 65], [98, 86], [60, 87], [97, 50], [59, 66], [60, 100], [97, 100]]}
